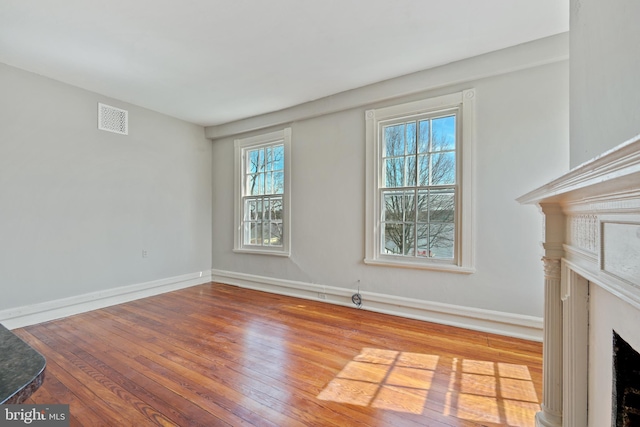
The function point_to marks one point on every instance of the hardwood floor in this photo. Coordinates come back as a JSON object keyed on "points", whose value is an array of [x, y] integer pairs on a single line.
{"points": [[218, 355]]}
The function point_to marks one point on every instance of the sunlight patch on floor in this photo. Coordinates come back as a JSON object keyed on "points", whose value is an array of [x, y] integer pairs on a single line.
{"points": [[474, 390]]}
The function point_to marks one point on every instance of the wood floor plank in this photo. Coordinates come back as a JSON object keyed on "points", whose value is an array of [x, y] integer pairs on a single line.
{"points": [[180, 411], [87, 389], [218, 355], [270, 373], [136, 359]]}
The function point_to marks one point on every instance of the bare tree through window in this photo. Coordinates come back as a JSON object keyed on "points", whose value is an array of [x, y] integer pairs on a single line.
{"points": [[263, 205], [419, 187]]}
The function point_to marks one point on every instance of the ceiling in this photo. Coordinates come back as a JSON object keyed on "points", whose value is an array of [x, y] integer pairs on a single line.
{"points": [[215, 61]]}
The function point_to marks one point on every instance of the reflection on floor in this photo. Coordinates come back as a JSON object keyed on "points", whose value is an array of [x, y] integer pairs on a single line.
{"points": [[474, 390]]}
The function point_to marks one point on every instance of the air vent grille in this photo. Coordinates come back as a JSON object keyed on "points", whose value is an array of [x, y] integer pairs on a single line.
{"points": [[113, 119]]}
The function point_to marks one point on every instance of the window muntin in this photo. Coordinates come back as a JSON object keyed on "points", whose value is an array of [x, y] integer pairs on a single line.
{"points": [[419, 185], [263, 194], [418, 191]]}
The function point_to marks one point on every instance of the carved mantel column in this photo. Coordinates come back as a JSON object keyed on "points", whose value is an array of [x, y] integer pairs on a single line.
{"points": [[551, 414]]}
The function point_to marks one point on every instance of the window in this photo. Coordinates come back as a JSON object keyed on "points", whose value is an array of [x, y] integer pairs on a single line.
{"points": [[419, 185], [262, 191]]}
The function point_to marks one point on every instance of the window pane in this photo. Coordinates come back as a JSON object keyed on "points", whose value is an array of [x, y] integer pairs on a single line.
{"points": [[394, 140], [441, 206], [441, 238], [278, 158], [268, 183], [394, 171], [411, 137], [444, 133], [254, 161], [444, 168], [409, 206], [266, 233], [268, 159], [247, 233], [423, 241], [276, 209], [393, 207], [249, 209], [409, 239], [411, 171], [258, 212], [278, 183], [261, 183], [255, 184], [252, 184], [423, 206], [423, 136], [423, 170], [393, 239], [254, 234], [276, 234]]}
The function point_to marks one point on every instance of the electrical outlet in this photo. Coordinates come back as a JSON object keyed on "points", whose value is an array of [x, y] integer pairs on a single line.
{"points": [[144, 253], [322, 295]]}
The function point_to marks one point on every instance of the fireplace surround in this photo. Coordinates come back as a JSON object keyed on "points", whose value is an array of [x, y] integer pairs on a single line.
{"points": [[591, 260]]}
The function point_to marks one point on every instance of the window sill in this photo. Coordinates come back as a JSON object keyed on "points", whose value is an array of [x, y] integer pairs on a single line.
{"points": [[435, 266], [262, 252]]}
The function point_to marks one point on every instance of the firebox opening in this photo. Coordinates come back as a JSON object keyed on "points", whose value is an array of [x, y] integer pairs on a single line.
{"points": [[626, 384]]}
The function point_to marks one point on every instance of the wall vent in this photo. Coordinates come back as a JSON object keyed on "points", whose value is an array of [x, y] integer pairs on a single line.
{"points": [[113, 119]]}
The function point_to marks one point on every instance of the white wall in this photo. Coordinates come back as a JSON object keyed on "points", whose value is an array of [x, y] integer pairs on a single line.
{"points": [[605, 111], [522, 142], [605, 89], [79, 205]]}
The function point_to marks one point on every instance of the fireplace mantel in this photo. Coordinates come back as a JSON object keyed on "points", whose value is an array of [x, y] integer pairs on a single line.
{"points": [[591, 238]]}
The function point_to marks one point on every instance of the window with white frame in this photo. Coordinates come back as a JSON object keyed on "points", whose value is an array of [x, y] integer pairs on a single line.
{"points": [[262, 193], [419, 184]]}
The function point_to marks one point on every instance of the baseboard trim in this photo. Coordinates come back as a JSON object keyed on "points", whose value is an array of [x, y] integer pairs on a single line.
{"points": [[42, 312], [496, 322], [507, 324]]}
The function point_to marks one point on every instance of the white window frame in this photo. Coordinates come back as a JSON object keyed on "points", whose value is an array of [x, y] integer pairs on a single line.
{"points": [[464, 252], [241, 146]]}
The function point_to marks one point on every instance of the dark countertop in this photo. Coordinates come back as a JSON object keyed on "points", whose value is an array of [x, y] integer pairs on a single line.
{"points": [[21, 368]]}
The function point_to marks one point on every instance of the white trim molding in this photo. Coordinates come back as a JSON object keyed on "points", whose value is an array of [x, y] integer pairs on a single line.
{"points": [[43, 312], [496, 322]]}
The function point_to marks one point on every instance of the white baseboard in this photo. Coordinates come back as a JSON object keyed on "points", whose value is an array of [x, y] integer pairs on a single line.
{"points": [[37, 313], [507, 324]]}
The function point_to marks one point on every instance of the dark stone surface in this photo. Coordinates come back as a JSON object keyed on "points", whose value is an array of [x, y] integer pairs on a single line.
{"points": [[21, 368], [626, 383]]}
